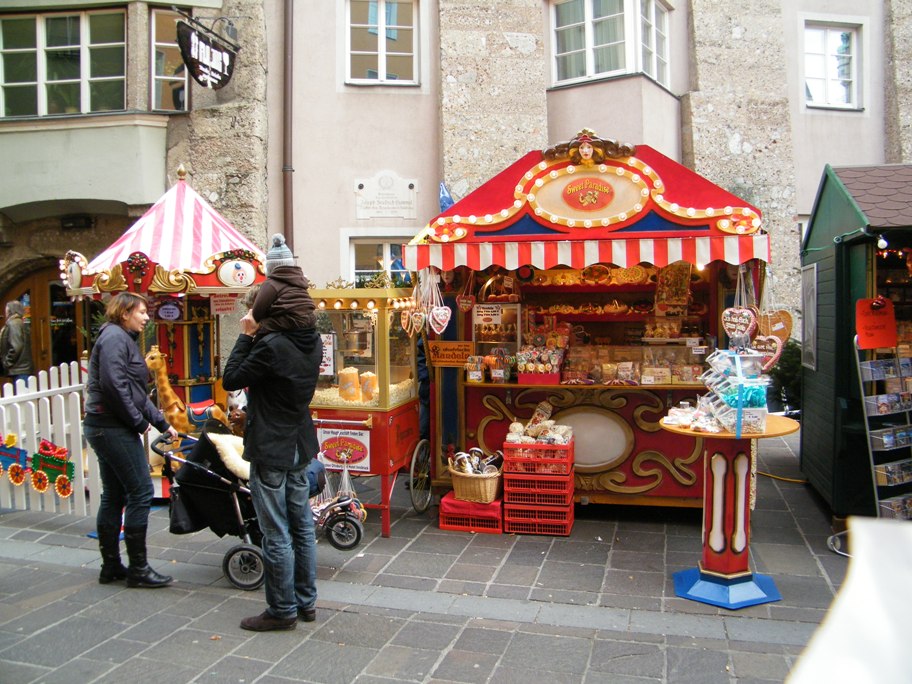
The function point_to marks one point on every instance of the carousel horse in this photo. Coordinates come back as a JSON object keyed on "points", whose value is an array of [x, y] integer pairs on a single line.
{"points": [[182, 417]]}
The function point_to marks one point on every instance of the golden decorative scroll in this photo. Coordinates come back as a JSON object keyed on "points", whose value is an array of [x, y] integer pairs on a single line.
{"points": [[110, 281], [171, 281]]}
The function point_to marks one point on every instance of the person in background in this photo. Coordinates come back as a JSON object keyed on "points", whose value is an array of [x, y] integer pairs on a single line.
{"points": [[118, 412], [279, 370], [15, 344]]}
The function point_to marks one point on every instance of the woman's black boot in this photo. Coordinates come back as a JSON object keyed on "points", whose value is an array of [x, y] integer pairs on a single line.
{"points": [[109, 543], [139, 574]]}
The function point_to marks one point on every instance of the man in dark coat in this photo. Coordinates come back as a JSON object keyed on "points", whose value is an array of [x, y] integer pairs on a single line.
{"points": [[280, 371], [15, 343]]}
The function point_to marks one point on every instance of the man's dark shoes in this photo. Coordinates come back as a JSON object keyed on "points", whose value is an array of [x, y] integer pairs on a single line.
{"points": [[307, 614], [264, 622]]}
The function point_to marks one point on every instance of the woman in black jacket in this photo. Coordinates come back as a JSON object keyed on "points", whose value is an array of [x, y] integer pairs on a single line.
{"points": [[118, 412]]}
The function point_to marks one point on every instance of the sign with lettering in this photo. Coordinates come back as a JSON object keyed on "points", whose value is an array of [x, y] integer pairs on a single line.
{"points": [[338, 447], [875, 323], [386, 195], [452, 354], [222, 304], [209, 61], [327, 364]]}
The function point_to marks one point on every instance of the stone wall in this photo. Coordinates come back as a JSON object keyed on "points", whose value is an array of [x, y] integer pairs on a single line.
{"points": [[736, 127], [492, 87], [898, 81]]}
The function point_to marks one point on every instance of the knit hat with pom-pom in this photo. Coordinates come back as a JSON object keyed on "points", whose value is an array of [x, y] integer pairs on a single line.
{"points": [[278, 254]]}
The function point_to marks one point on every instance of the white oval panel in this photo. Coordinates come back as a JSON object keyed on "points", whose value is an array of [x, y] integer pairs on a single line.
{"points": [[235, 272], [602, 438]]}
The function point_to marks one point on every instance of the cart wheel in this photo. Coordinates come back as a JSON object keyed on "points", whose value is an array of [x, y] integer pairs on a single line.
{"points": [[40, 481], [344, 532], [63, 486], [16, 474], [420, 476], [244, 568]]}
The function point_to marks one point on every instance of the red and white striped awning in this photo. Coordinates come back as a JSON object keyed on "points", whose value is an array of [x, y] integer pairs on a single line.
{"points": [[733, 249], [179, 232]]}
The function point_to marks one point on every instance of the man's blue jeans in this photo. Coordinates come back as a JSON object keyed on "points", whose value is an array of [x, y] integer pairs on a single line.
{"points": [[282, 503], [124, 470]]}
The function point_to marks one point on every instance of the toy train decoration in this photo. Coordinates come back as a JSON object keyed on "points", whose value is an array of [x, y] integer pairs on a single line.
{"points": [[51, 465]]}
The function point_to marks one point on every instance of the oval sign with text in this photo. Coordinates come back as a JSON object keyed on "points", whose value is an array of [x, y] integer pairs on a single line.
{"points": [[588, 194]]}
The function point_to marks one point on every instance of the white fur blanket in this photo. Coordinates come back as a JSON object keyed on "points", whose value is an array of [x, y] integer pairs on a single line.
{"points": [[231, 450]]}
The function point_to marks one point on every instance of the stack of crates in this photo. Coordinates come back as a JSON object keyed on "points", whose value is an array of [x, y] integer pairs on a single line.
{"points": [[538, 488]]}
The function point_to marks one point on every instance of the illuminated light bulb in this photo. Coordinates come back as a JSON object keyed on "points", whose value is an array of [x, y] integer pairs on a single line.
{"points": [[518, 189], [638, 207], [635, 178], [553, 174], [460, 232], [543, 165], [441, 221], [353, 304], [539, 182], [619, 171], [371, 304], [322, 304], [658, 183], [528, 175], [710, 211], [571, 169], [553, 218], [605, 221], [622, 216], [444, 238], [587, 223], [337, 304], [660, 199], [691, 211], [603, 168], [472, 219], [530, 197], [517, 203], [488, 218], [674, 206], [700, 266], [571, 223], [728, 211], [724, 223], [539, 211], [755, 223], [645, 192], [457, 218], [504, 213]]}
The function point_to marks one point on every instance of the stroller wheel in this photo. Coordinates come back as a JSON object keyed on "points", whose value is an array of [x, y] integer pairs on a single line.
{"points": [[243, 566]]}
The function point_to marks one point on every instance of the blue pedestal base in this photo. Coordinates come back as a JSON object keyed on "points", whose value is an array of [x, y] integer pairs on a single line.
{"points": [[750, 590]]}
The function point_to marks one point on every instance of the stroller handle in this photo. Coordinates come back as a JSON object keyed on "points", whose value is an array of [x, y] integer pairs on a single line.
{"points": [[165, 438]]}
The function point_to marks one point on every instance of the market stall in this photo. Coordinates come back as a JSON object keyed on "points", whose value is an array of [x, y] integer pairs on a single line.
{"points": [[366, 403], [591, 275], [193, 265]]}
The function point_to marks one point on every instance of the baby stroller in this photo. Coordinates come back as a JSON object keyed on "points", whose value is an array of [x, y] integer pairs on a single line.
{"points": [[209, 490]]}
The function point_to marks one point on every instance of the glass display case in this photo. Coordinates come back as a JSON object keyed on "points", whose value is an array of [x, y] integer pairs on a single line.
{"points": [[496, 325], [368, 358]]}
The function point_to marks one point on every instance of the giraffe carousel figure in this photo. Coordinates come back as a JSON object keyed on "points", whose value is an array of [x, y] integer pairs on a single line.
{"points": [[186, 418]]}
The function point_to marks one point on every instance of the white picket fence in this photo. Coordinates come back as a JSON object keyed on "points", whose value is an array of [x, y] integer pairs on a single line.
{"points": [[49, 406]]}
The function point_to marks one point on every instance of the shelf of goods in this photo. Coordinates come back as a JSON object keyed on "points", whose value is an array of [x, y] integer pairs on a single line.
{"points": [[885, 379], [538, 488]]}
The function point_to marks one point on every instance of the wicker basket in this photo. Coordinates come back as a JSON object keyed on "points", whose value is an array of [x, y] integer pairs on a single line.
{"points": [[475, 488]]}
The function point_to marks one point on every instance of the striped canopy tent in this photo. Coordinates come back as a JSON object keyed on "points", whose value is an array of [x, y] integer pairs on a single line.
{"points": [[180, 245], [591, 201]]}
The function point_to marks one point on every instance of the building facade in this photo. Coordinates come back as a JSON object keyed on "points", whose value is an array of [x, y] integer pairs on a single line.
{"points": [[342, 117]]}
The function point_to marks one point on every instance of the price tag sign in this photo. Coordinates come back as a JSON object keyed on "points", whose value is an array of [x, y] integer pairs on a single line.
{"points": [[875, 323]]}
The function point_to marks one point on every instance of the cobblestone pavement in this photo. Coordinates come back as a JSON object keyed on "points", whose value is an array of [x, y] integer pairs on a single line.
{"points": [[427, 605]]}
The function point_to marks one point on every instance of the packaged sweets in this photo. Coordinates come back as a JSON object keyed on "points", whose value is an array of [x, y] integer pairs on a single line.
{"points": [[369, 386], [349, 384]]}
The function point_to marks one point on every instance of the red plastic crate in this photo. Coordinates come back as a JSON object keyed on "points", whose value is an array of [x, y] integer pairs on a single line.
{"points": [[551, 520], [538, 490], [538, 459], [465, 516]]}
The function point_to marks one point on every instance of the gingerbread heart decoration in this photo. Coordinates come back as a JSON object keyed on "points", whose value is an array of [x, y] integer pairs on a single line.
{"points": [[739, 321], [438, 318], [770, 347], [777, 323], [465, 302], [405, 318], [418, 319]]}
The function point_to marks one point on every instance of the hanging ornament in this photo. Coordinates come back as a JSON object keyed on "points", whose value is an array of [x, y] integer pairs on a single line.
{"points": [[770, 347], [438, 318], [466, 300]]}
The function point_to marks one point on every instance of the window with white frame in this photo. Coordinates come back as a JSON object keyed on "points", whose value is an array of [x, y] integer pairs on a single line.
{"points": [[382, 41], [169, 75], [597, 38], [67, 63], [831, 65], [372, 257]]}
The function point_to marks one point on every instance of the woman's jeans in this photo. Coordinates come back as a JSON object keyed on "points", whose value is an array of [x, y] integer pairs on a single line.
{"points": [[124, 469], [281, 499]]}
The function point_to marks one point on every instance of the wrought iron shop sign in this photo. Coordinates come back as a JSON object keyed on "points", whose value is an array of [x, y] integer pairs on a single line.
{"points": [[209, 60]]}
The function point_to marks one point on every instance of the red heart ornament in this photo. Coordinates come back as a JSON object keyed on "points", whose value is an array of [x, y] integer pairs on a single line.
{"points": [[438, 318], [739, 321], [770, 347], [465, 302]]}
